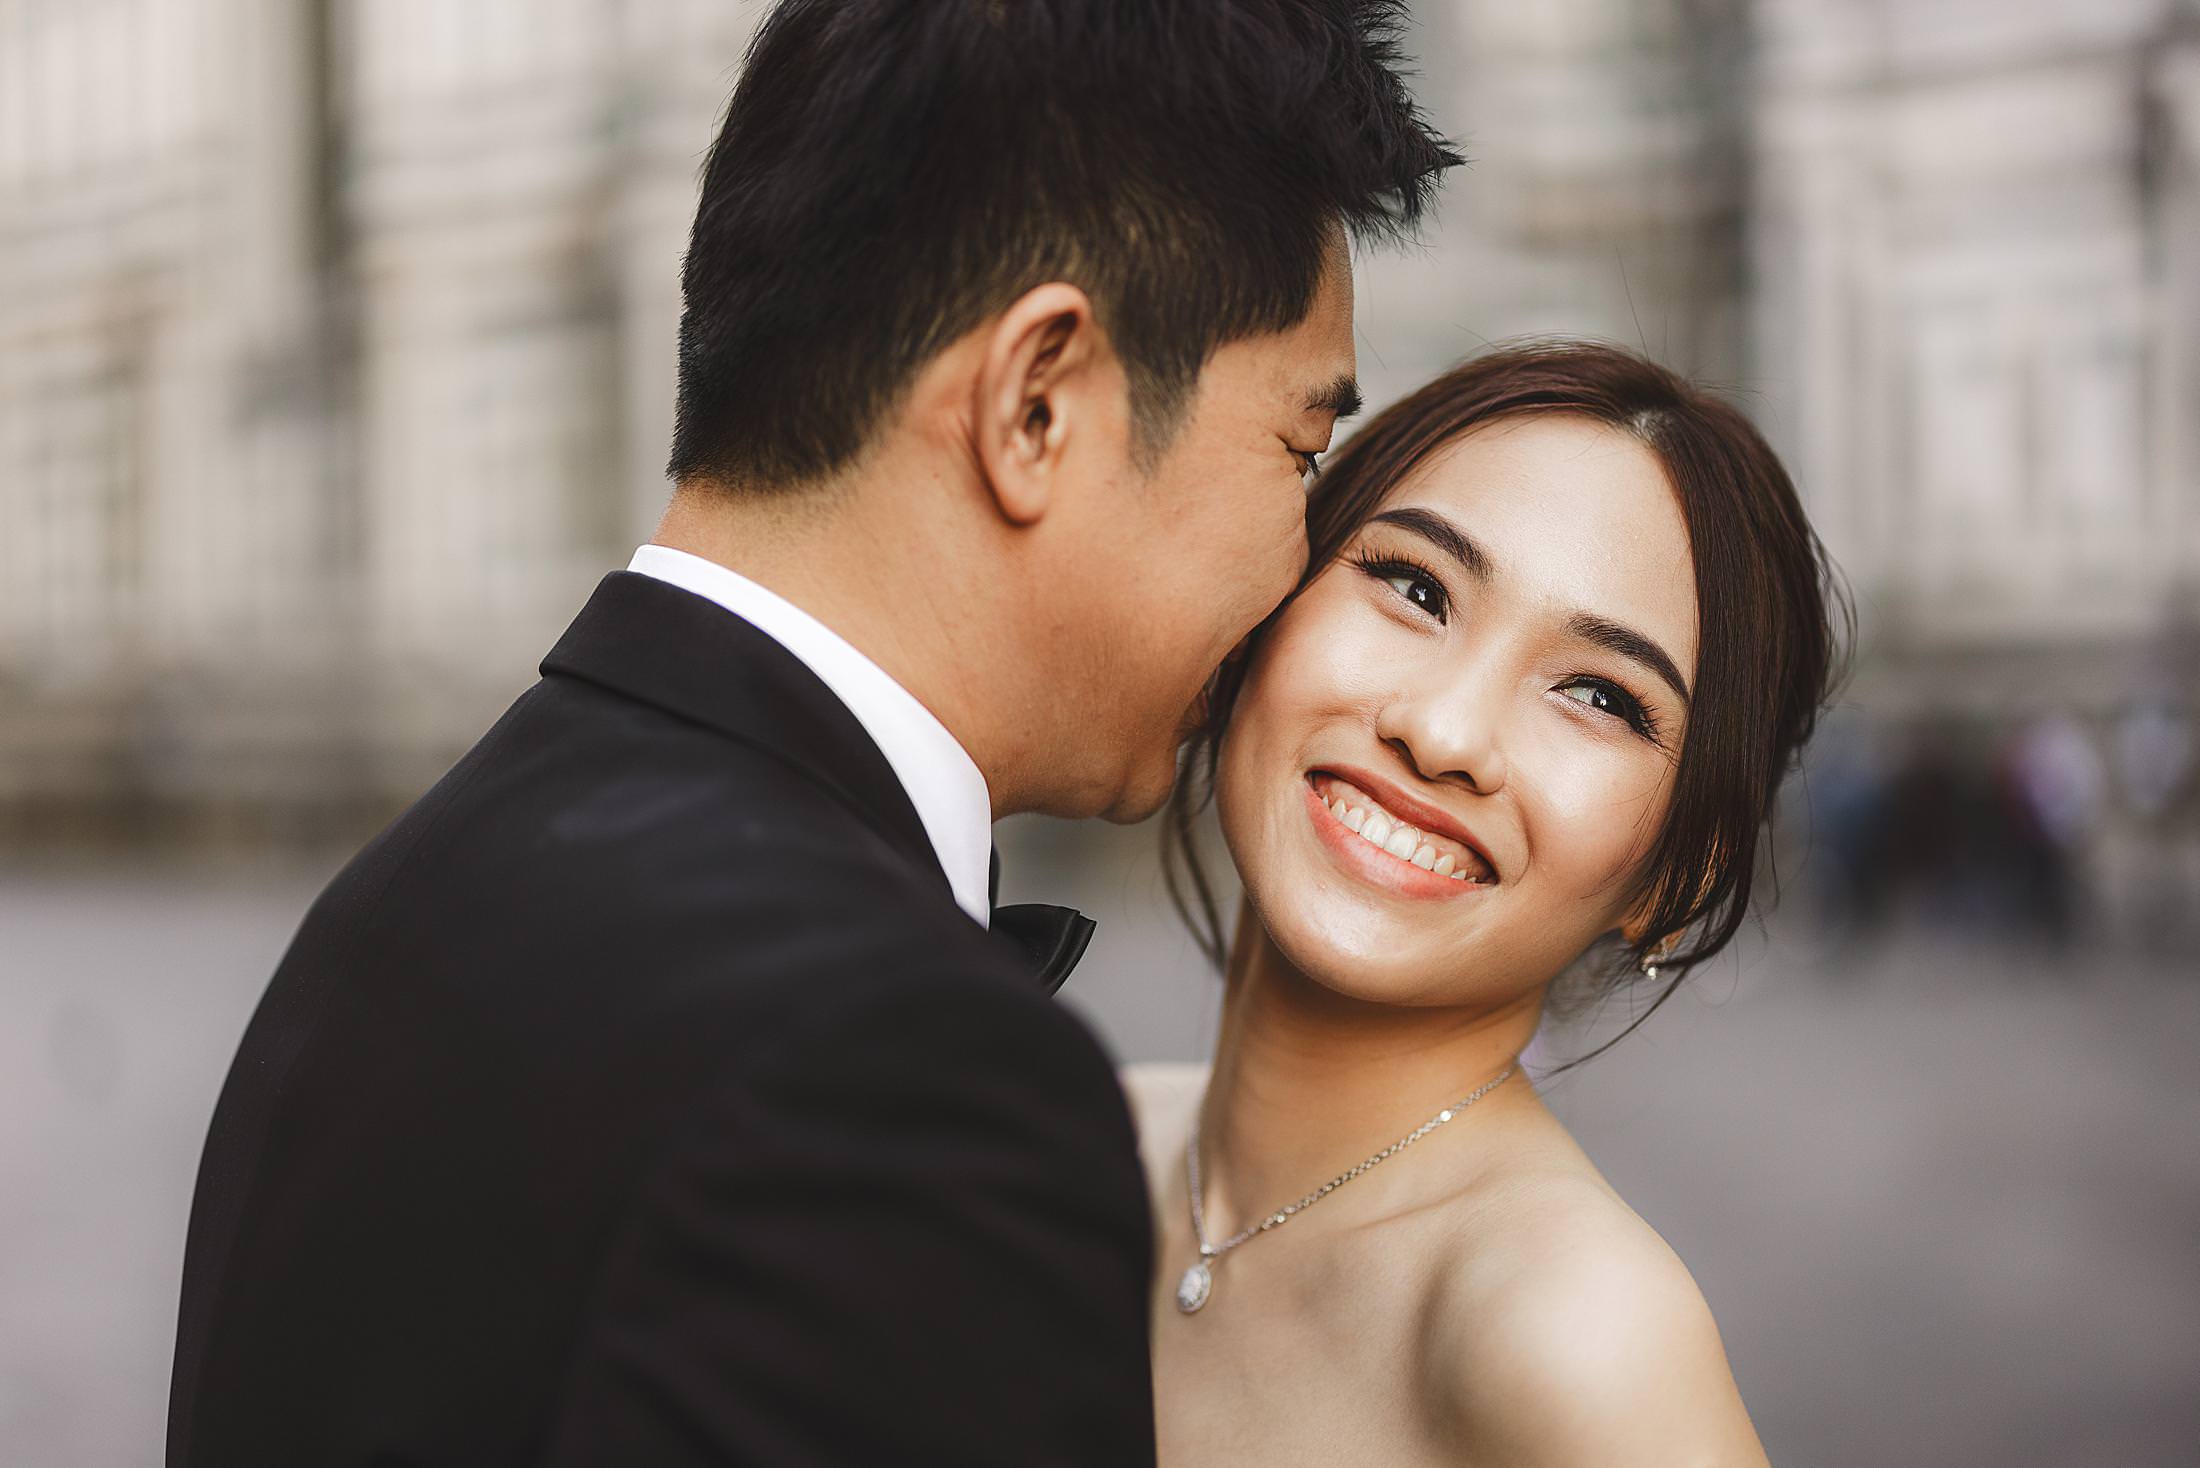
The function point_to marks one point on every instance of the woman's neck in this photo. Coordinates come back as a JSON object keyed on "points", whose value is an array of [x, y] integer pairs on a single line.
{"points": [[1308, 1082]]}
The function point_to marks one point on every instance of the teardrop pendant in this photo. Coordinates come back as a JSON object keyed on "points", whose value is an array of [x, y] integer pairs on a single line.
{"points": [[1194, 1288]]}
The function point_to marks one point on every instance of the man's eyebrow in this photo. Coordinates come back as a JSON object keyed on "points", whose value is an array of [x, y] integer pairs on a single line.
{"points": [[1442, 534], [1628, 643], [1340, 398]]}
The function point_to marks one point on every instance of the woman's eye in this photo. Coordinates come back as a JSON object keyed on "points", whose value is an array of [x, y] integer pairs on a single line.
{"points": [[1417, 589], [1411, 582], [1608, 698]]}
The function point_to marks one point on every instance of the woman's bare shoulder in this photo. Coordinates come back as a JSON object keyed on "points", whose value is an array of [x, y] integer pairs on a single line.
{"points": [[1565, 1330]]}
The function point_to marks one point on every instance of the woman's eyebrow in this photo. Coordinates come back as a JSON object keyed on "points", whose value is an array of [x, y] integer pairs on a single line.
{"points": [[1616, 637], [1444, 535], [1620, 638]]}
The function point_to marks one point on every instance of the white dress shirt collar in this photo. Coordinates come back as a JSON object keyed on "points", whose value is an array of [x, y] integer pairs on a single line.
{"points": [[942, 781]]}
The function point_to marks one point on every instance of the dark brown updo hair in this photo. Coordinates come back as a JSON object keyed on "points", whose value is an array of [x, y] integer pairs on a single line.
{"points": [[1766, 598]]}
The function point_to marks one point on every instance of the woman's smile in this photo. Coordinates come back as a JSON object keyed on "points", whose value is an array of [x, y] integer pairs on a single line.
{"points": [[1379, 844]]}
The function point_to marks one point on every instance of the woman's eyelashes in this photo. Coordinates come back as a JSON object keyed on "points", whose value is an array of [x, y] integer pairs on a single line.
{"points": [[1608, 698], [1414, 583], [1419, 587]]}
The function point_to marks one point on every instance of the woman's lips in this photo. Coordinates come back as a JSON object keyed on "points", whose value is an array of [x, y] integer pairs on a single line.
{"points": [[1401, 804], [1412, 874], [1399, 834]]}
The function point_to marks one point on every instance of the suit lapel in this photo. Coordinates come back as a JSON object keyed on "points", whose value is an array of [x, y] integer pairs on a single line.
{"points": [[679, 652]]}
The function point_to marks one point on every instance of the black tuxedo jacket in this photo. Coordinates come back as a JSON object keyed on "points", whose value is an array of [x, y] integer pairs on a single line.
{"points": [[641, 1096]]}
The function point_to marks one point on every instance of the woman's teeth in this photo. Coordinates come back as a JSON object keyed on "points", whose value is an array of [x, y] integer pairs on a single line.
{"points": [[1374, 825]]}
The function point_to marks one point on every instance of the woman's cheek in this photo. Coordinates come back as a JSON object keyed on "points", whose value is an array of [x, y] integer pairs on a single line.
{"points": [[1600, 822], [1317, 664]]}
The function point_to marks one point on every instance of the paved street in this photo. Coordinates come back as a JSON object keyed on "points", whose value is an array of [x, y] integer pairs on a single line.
{"points": [[1945, 1206]]}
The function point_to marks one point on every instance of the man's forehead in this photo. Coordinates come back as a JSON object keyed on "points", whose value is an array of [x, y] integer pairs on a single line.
{"points": [[1325, 335], [1319, 362]]}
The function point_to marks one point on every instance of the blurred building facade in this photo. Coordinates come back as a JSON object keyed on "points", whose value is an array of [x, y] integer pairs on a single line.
{"points": [[336, 359], [1975, 289], [334, 367]]}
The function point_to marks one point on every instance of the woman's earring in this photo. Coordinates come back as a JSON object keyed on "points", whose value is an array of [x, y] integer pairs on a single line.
{"points": [[1651, 960]]}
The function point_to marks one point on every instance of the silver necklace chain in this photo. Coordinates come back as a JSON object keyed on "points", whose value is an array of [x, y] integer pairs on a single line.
{"points": [[1193, 1289]]}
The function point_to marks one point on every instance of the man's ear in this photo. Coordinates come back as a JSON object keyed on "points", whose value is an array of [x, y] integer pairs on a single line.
{"points": [[1040, 355]]}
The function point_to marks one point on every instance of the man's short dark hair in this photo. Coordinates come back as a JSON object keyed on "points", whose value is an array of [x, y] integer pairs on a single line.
{"points": [[893, 172]]}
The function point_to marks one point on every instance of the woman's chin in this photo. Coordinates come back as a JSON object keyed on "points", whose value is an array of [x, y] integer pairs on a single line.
{"points": [[1354, 955], [1363, 946]]}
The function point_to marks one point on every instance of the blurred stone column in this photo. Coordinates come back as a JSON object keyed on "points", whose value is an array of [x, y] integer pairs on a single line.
{"points": [[2174, 94], [1606, 190], [1818, 259], [479, 187], [230, 352], [257, 573]]}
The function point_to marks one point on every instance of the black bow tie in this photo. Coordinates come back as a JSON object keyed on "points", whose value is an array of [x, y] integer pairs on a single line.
{"points": [[1052, 938]]}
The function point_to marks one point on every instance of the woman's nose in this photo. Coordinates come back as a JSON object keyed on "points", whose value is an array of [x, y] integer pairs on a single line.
{"points": [[1451, 734]]}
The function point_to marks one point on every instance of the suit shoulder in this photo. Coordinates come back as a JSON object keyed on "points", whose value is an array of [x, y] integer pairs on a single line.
{"points": [[964, 1006]]}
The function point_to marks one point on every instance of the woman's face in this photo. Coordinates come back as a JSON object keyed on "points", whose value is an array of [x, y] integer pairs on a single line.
{"points": [[1489, 680]]}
